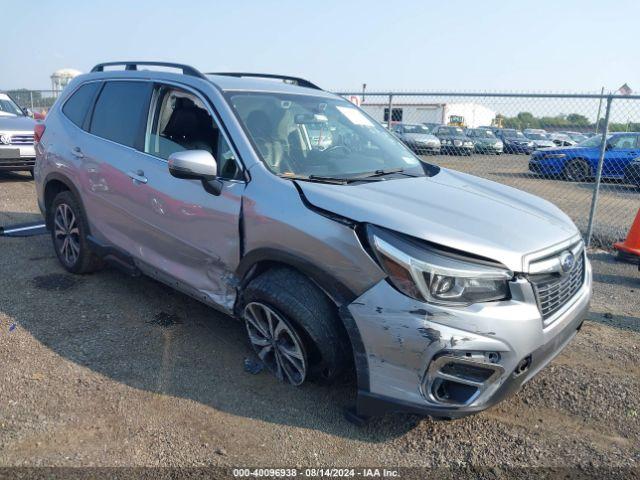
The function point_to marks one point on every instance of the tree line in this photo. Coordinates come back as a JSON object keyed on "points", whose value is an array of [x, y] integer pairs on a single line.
{"points": [[571, 121]]}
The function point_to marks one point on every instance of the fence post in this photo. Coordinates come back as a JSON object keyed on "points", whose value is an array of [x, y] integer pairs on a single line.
{"points": [[390, 111], [596, 188]]}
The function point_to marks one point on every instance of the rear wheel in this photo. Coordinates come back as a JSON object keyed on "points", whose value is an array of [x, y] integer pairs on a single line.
{"points": [[577, 170], [69, 234], [294, 328]]}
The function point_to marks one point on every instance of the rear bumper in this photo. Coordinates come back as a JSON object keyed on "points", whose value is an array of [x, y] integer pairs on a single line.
{"points": [[403, 339]]}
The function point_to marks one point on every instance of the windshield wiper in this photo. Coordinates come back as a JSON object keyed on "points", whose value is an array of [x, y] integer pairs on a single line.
{"points": [[317, 178], [381, 173]]}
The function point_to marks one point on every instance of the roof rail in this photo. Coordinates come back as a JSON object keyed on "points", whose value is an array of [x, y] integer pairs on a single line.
{"points": [[301, 82], [186, 69]]}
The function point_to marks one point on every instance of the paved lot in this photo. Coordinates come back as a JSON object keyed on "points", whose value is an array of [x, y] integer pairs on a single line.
{"points": [[107, 370], [617, 205]]}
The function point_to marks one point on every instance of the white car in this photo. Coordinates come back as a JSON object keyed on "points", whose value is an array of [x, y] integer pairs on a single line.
{"points": [[17, 152]]}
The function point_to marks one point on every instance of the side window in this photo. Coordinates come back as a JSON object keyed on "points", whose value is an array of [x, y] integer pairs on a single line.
{"points": [[77, 106], [624, 142], [121, 112], [182, 122]]}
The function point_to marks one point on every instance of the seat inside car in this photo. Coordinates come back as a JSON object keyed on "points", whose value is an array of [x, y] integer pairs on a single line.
{"points": [[191, 127]]}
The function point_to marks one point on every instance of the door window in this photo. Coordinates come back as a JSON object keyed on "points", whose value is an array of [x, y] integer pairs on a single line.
{"points": [[182, 122], [121, 112], [76, 108], [623, 142]]}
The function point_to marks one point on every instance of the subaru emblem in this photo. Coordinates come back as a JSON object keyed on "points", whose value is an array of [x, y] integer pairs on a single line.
{"points": [[567, 261]]}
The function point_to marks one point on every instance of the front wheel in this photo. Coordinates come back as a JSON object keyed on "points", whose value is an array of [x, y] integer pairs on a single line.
{"points": [[577, 170], [69, 234], [294, 328]]}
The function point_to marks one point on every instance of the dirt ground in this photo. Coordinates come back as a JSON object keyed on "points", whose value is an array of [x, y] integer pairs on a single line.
{"points": [[106, 370]]}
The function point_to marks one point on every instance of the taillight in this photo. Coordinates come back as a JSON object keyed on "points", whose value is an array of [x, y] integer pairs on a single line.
{"points": [[38, 131]]}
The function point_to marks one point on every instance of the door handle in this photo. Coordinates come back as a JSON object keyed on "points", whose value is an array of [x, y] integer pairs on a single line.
{"points": [[76, 152], [138, 176]]}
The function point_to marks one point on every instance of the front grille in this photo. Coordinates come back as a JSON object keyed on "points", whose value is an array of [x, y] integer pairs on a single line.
{"points": [[553, 291], [22, 139]]}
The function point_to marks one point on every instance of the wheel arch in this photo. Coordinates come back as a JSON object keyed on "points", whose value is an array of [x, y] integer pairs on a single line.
{"points": [[262, 259], [53, 185]]}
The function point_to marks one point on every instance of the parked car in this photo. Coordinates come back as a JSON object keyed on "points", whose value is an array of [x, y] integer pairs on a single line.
{"points": [[484, 141], [540, 139], [453, 140], [446, 292], [632, 173], [417, 138], [579, 163], [562, 139], [575, 136], [514, 141], [16, 137], [430, 126]]}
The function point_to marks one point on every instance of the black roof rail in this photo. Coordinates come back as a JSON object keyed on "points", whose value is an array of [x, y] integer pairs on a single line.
{"points": [[301, 82], [186, 69]]}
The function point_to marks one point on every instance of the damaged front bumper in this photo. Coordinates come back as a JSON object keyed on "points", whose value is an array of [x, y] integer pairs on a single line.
{"points": [[450, 362]]}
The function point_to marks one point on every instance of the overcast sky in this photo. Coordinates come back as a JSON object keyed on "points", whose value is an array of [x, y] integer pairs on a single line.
{"points": [[517, 45]]}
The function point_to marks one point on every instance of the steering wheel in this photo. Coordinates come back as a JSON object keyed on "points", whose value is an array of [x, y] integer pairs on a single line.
{"points": [[333, 148]]}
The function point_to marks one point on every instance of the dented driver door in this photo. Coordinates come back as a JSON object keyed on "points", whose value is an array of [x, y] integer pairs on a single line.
{"points": [[190, 237]]}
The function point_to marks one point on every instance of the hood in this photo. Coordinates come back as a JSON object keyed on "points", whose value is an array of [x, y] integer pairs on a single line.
{"points": [[452, 209], [573, 150], [454, 137], [543, 143], [16, 124], [421, 137], [485, 140]]}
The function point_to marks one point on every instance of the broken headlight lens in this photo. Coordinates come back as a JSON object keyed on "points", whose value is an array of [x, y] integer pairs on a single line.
{"points": [[427, 274]]}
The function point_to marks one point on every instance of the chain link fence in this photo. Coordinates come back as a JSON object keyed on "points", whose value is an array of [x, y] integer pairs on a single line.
{"points": [[516, 139], [550, 145], [39, 101]]}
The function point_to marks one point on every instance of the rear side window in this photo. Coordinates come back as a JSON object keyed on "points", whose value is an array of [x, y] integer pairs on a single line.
{"points": [[121, 111], [78, 105]]}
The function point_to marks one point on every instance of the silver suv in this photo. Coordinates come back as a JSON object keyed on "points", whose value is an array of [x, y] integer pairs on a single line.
{"points": [[445, 292]]}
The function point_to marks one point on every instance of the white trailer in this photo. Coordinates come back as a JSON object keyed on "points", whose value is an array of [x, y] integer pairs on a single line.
{"points": [[475, 115]]}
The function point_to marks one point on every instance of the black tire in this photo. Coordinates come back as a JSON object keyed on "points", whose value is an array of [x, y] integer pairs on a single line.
{"points": [[310, 313], [577, 170], [85, 260]]}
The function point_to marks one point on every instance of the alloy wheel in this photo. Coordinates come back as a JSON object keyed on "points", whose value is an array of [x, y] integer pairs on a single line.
{"points": [[66, 234], [276, 343]]}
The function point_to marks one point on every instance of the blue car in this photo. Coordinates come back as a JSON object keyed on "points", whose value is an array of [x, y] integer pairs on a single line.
{"points": [[580, 162]]}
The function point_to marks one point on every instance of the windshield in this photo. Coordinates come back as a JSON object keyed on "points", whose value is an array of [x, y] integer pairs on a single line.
{"points": [[513, 134], [8, 106], [537, 136], [414, 129], [481, 133], [302, 136], [457, 131], [594, 141]]}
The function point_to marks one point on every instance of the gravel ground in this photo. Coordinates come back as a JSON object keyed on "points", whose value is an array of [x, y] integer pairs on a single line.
{"points": [[106, 370]]}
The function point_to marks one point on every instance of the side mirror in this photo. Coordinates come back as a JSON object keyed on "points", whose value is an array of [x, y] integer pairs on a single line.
{"points": [[609, 146], [196, 165], [193, 164]]}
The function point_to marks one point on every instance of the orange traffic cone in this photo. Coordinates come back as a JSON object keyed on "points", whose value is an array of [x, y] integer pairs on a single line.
{"points": [[630, 248]]}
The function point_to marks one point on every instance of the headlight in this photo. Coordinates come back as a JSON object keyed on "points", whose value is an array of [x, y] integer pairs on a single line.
{"points": [[445, 142], [499, 144], [457, 143], [427, 274], [468, 144], [554, 155]]}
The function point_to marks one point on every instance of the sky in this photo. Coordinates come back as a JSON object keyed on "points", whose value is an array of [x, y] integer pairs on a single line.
{"points": [[482, 45]]}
